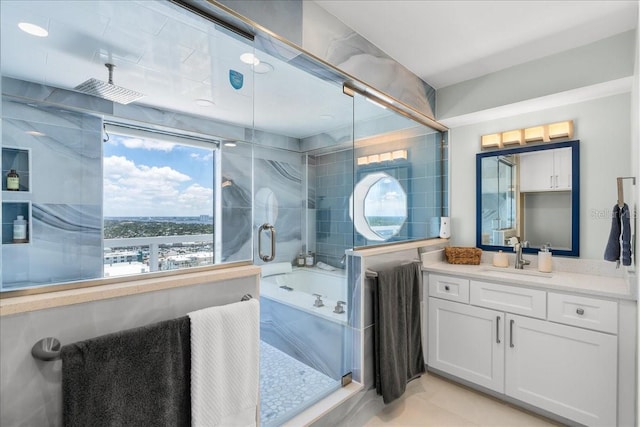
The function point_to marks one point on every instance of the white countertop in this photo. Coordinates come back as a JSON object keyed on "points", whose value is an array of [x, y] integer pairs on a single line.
{"points": [[597, 285]]}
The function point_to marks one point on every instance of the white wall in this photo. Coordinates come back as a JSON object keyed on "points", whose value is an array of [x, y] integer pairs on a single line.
{"points": [[603, 128], [603, 61]]}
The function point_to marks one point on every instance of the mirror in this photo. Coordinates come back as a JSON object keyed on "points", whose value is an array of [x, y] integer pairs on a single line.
{"points": [[531, 193]]}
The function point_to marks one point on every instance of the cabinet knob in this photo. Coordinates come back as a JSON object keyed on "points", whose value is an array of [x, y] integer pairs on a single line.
{"points": [[580, 311], [446, 288]]}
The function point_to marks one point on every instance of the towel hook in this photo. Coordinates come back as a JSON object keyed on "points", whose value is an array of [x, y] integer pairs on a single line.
{"points": [[621, 190], [47, 349]]}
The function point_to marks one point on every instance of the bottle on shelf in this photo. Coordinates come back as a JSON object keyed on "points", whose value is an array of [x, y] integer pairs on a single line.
{"points": [[13, 181], [310, 261], [300, 260], [20, 230]]}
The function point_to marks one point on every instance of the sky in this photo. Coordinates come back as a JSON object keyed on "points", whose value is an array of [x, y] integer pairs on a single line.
{"points": [[143, 177]]}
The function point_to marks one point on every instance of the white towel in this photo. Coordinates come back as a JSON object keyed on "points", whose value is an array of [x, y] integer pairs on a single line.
{"points": [[225, 347]]}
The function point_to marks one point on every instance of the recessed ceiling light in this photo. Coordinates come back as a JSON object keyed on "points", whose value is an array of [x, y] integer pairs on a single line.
{"points": [[263, 68], [33, 29], [205, 102], [230, 144], [35, 133], [326, 117], [249, 58]]}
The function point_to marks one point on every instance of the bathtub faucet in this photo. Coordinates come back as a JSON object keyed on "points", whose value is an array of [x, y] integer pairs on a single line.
{"points": [[343, 259], [318, 302]]}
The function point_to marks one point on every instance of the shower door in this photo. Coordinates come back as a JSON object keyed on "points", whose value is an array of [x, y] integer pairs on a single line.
{"points": [[302, 130]]}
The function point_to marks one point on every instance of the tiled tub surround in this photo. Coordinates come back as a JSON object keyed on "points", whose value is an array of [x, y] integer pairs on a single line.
{"points": [[31, 393]]}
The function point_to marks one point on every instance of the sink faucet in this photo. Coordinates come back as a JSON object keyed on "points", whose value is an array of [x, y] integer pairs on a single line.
{"points": [[520, 262]]}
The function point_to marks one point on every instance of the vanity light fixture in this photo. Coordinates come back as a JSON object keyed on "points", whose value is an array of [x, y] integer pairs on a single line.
{"points": [[541, 133], [512, 137], [33, 29], [382, 157], [230, 144]]}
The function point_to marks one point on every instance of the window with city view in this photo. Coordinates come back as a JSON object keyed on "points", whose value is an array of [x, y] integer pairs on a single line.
{"points": [[158, 205]]}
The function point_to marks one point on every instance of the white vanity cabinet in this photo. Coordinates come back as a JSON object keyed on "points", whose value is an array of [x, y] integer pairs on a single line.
{"points": [[546, 170], [557, 352], [467, 342], [566, 370]]}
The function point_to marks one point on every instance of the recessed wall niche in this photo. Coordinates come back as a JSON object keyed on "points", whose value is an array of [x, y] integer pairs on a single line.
{"points": [[17, 159]]}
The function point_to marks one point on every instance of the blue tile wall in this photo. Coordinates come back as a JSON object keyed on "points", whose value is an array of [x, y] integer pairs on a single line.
{"points": [[426, 188]]}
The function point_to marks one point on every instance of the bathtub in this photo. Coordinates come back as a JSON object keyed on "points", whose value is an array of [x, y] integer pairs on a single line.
{"points": [[304, 282]]}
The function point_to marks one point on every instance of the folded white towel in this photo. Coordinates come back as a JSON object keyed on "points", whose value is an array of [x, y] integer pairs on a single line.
{"points": [[225, 347], [276, 268]]}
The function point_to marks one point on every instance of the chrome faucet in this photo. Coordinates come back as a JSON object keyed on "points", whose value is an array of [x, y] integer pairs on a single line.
{"points": [[520, 262], [318, 302]]}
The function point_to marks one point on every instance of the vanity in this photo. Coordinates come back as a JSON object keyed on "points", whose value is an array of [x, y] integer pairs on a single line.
{"points": [[562, 344]]}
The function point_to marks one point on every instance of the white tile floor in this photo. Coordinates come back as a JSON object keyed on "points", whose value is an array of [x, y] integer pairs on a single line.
{"points": [[435, 401]]}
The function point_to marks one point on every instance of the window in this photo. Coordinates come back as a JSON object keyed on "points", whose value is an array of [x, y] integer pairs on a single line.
{"points": [[158, 205]]}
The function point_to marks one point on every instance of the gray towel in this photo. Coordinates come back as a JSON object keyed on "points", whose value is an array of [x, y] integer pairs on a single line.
{"points": [[397, 337], [612, 251], [626, 235], [138, 377]]}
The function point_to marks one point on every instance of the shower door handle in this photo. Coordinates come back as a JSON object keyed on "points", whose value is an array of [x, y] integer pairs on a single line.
{"points": [[272, 229]]}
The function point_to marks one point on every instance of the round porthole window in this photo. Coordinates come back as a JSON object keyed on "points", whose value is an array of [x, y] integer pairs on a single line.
{"points": [[378, 207]]}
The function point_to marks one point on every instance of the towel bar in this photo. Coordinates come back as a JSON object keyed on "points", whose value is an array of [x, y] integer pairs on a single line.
{"points": [[370, 274], [48, 349]]}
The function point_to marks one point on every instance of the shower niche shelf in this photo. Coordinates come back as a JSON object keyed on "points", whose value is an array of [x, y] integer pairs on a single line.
{"points": [[10, 211], [18, 159]]}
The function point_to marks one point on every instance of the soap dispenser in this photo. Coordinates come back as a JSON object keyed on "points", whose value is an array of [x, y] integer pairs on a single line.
{"points": [[545, 263]]}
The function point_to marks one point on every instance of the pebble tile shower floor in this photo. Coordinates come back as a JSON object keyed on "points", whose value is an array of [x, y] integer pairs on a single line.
{"points": [[288, 386]]}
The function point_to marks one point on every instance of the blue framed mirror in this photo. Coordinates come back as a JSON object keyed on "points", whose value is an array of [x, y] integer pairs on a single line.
{"points": [[532, 193]]}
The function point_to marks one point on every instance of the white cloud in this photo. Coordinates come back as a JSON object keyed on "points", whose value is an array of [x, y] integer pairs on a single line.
{"points": [[140, 190], [145, 144]]}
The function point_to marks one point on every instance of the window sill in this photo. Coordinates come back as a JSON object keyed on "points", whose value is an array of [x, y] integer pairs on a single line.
{"points": [[22, 304]]}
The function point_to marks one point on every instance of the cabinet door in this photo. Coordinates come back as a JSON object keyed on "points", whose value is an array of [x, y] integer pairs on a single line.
{"points": [[565, 370], [536, 171], [467, 342], [562, 168]]}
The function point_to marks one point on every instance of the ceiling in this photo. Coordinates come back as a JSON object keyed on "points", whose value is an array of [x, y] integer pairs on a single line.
{"points": [[447, 42], [174, 58]]}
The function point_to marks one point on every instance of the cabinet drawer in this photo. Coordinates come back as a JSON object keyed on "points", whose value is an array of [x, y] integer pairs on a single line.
{"points": [[590, 313], [447, 287], [511, 299]]}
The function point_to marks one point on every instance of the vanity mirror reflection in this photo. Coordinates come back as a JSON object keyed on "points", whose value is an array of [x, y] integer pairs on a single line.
{"points": [[530, 192]]}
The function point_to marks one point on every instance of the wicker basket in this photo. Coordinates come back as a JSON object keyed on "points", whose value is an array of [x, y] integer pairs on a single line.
{"points": [[462, 255]]}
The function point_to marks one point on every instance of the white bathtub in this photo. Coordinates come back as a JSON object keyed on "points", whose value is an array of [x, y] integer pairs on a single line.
{"points": [[305, 282]]}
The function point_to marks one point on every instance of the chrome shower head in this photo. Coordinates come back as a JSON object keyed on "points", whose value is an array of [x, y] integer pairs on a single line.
{"points": [[108, 90]]}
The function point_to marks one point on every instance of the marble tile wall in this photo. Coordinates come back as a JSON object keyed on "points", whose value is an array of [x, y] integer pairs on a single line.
{"points": [[276, 195], [31, 393], [65, 197]]}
